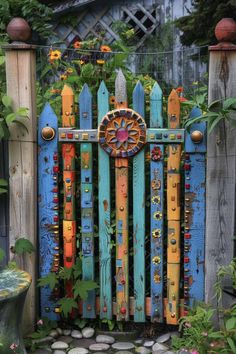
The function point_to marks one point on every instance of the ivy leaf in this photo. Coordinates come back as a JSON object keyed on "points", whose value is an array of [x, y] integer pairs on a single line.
{"points": [[23, 245], [77, 268], [67, 304], [10, 118], [82, 287], [2, 253], [7, 101], [65, 273], [23, 112], [50, 280]]}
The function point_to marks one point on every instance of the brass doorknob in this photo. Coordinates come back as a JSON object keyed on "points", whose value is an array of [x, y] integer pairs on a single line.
{"points": [[48, 133], [196, 136]]}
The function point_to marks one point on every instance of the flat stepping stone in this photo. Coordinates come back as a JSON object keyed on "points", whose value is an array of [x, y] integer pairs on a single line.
{"points": [[158, 346], [59, 331], [99, 347], [88, 332], [148, 343], [138, 341], [123, 345], [66, 339], [142, 350], [42, 340], [163, 338], [53, 333], [78, 350], [66, 332], [76, 334], [59, 352], [123, 352], [105, 339], [59, 345], [83, 343]]}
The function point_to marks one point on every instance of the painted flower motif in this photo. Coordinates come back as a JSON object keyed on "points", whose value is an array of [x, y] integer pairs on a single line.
{"points": [[156, 154], [101, 62], [54, 55], [122, 134], [40, 322], [105, 49], [77, 45]]}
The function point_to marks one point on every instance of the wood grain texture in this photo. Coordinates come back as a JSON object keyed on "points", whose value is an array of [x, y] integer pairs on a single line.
{"points": [[156, 208], [139, 216], [104, 208], [85, 122], [122, 216], [195, 194], [173, 214], [220, 176], [21, 83], [48, 208]]}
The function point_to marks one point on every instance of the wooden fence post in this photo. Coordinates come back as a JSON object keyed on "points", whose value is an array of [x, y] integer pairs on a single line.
{"points": [[221, 163], [21, 82]]}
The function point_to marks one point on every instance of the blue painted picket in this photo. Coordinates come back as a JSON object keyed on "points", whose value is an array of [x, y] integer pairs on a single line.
{"points": [[194, 239], [104, 208], [156, 208], [48, 207], [139, 216], [86, 188]]}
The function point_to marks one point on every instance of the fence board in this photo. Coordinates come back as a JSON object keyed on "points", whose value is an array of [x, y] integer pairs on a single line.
{"points": [[173, 214], [156, 208], [194, 236], [48, 208], [85, 104], [122, 217], [104, 208], [139, 216]]}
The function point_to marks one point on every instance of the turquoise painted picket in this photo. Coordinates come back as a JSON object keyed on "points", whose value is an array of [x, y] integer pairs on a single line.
{"points": [[120, 133]]}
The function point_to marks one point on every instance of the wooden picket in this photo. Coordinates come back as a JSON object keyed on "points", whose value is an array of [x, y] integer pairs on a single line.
{"points": [[122, 133]]}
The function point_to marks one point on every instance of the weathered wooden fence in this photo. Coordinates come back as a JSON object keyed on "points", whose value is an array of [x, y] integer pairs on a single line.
{"points": [[159, 261]]}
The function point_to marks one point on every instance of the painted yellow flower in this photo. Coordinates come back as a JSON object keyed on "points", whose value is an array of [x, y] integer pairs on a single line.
{"points": [[105, 49], [101, 61]]}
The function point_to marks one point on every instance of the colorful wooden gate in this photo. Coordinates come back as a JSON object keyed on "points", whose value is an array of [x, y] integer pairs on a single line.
{"points": [[159, 260]]}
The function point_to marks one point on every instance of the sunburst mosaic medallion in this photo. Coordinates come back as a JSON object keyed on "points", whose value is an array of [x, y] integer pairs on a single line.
{"points": [[122, 133]]}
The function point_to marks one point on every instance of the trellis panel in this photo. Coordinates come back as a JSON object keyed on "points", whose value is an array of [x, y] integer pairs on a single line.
{"points": [[139, 216]]}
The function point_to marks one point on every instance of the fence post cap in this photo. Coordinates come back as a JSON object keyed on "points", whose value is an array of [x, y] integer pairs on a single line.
{"points": [[225, 32]]}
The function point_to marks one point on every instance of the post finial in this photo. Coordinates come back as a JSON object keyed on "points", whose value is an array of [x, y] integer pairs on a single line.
{"points": [[18, 30], [225, 32]]}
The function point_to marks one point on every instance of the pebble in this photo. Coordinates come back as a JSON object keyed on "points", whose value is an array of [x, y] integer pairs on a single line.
{"points": [[59, 331], [142, 350], [163, 338], [53, 333], [76, 334], [78, 350], [123, 352], [82, 343], [105, 339], [66, 332], [158, 346], [59, 345], [169, 352], [66, 339], [59, 352], [138, 341], [87, 332], [160, 351], [42, 351], [123, 345], [99, 347], [42, 340], [148, 343]]}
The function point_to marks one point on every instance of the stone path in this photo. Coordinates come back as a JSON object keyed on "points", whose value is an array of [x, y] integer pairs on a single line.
{"points": [[86, 342]]}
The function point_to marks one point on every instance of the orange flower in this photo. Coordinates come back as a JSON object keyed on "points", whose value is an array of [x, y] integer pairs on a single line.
{"points": [[77, 45], [112, 100], [105, 48], [100, 61], [179, 89]]}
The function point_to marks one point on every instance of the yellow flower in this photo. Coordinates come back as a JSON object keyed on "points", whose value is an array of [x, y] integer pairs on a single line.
{"points": [[54, 55], [100, 61], [69, 71], [63, 77], [105, 48], [81, 62]]}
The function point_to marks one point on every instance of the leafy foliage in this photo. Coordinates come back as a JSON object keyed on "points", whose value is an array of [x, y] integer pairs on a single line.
{"points": [[2, 254], [67, 305], [197, 28], [223, 273], [3, 185], [51, 280], [23, 245], [39, 16]]}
